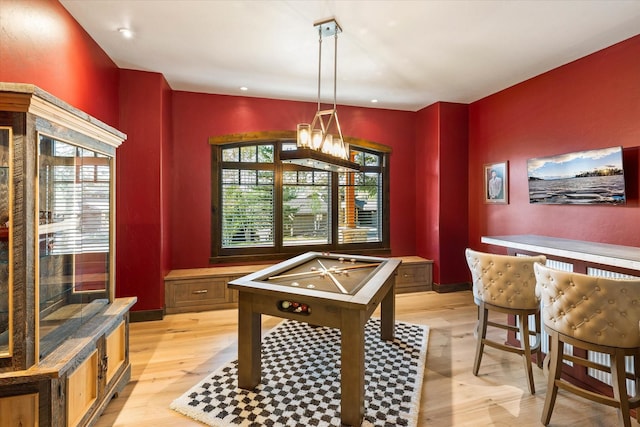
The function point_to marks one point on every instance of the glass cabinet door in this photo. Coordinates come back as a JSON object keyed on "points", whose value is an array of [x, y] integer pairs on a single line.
{"points": [[5, 252], [74, 238]]}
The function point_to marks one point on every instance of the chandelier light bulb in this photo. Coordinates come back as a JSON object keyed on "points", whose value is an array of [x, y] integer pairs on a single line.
{"points": [[327, 147], [316, 139], [304, 136]]}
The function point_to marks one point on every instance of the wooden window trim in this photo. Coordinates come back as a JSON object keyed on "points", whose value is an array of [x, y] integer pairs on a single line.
{"points": [[279, 252]]}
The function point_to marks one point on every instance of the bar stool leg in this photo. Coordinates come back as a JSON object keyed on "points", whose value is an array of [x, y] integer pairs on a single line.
{"points": [[619, 384], [482, 334], [538, 326], [555, 369], [636, 371], [525, 344]]}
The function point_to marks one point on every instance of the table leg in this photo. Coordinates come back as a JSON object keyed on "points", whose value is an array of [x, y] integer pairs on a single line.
{"points": [[388, 314], [249, 343], [352, 370]]}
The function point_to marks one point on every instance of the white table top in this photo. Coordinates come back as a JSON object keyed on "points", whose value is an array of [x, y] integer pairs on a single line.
{"points": [[600, 253]]}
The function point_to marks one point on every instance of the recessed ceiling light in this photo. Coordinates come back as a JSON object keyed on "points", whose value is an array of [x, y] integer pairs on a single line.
{"points": [[373, 101], [244, 88], [126, 32]]}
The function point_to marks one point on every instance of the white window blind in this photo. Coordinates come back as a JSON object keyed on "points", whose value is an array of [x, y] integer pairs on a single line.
{"points": [[247, 194], [306, 210]]}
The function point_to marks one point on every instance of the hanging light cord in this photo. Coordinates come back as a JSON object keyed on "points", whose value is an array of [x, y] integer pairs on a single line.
{"points": [[319, 62], [335, 68]]}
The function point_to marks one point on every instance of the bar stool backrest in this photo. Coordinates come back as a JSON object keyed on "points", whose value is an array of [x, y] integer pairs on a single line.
{"points": [[504, 280], [597, 310]]}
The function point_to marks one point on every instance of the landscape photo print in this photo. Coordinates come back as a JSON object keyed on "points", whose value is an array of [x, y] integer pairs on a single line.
{"points": [[583, 177]]}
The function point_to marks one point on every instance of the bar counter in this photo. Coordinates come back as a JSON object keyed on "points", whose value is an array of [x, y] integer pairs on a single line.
{"points": [[597, 259], [583, 254]]}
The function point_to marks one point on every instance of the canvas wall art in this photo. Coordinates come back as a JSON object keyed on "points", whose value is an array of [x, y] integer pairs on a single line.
{"points": [[583, 177]]}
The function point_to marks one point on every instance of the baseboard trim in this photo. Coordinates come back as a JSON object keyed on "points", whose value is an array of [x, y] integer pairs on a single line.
{"points": [[146, 315], [451, 287]]}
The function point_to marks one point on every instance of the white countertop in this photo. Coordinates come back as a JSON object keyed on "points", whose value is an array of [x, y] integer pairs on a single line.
{"points": [[600, 253]]}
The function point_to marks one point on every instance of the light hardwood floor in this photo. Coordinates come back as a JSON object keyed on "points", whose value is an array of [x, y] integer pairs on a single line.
{"points": [[171, 355]]}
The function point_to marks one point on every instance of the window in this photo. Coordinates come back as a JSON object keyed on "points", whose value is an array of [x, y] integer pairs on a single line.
{"points": [[306, 203], [248, 189], [262, 207], [361, 205]]}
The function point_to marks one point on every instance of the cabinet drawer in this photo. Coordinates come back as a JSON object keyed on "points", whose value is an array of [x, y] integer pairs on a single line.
{"points": [[414, 275], [411, 274], [199, 292]]}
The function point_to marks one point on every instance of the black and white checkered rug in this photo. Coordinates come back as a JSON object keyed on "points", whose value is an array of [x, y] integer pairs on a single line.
{"points": [[301, 380]]}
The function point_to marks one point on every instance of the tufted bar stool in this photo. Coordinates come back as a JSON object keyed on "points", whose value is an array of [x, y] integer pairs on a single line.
{"points": [[594, 314], [506, 284]]}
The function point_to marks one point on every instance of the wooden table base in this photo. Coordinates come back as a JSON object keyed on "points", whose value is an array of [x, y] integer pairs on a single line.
{"points": [[350, 321]]}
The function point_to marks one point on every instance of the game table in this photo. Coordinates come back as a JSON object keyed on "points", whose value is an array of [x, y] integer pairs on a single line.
{"points": [[333, 290]]}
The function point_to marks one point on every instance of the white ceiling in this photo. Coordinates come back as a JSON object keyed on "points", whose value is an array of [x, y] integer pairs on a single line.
{"points": [[407, 54]]}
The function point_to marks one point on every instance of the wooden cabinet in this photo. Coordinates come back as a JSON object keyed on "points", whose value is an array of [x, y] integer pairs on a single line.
{"points": [[63, 334], [415, 274], [200, 289], [74, 384]]}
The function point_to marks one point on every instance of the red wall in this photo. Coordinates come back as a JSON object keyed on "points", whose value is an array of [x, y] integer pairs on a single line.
{"points": [[142, 203], [41, 44], [454, 218], [166, 179], [441, 178], [428, 184], [198, 116], [591, 103]]}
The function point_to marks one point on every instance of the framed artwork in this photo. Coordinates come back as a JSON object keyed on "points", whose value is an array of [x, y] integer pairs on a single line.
{"points": [[496, 183], [588, 177]]}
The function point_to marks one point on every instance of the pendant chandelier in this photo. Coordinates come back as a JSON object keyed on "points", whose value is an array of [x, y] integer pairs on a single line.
{"points": [[320, 145]]}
